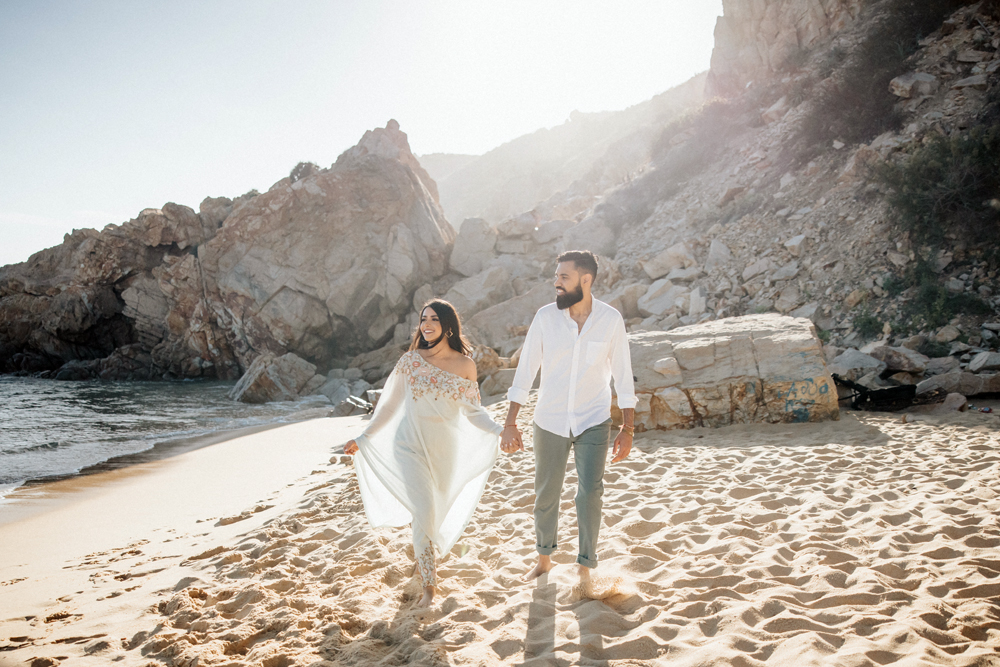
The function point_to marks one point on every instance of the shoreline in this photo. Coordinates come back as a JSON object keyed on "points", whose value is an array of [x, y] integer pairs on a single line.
{"points": [[104, 548], [36, 495], [159, 450]]}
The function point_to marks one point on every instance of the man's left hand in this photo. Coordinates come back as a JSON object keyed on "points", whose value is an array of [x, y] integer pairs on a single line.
{"points": [[623, 445]]}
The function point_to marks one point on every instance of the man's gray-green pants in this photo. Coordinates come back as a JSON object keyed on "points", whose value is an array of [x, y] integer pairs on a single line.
{"points": [[590, 453]]}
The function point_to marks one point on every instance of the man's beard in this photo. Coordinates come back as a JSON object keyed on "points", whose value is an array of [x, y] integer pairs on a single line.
{"points": [[567, 299]]}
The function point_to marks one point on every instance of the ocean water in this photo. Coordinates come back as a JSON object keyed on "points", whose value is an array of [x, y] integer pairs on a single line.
{"points": [[51, 429]]}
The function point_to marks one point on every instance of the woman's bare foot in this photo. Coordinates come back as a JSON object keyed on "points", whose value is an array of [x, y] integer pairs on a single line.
{"points": [[427, 599], [544, 565]]}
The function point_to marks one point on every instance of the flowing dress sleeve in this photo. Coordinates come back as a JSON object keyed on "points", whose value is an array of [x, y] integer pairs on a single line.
{"points": [[427, 453], [391, 401], [373, 462]]}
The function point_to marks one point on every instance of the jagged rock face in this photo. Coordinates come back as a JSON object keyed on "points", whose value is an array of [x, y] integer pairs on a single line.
{"points": [[64, 303], [323, 267], [737, 370], [755, 38], [328, 265]]}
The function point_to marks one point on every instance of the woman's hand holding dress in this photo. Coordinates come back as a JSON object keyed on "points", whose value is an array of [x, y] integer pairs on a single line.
{"points": [[351, 447]]}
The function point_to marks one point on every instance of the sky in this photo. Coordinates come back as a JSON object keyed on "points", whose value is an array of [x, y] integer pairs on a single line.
{"points": [[112, 107]]}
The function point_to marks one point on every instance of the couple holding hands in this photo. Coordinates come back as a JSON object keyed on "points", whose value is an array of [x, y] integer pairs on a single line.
{"points": [[428, 450]]}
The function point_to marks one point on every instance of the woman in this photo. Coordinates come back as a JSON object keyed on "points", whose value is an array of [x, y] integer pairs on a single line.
{"points": [[430, 445]]}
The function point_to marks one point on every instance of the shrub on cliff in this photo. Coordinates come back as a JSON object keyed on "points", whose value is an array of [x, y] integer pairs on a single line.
{"points": [[855, 105], [950, 184], [928, 303], [303, 170]]}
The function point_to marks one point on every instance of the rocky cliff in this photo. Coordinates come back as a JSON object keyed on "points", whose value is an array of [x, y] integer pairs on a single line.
{"points": [[323, 267], [560, 170], [756, 39], [847, 186], [792, 195]]}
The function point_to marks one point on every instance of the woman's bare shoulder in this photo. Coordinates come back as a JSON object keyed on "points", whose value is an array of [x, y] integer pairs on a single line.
{"points": [[467, 368]]}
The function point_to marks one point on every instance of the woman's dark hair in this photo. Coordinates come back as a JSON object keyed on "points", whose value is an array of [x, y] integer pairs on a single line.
{"points": [[451, 328]]}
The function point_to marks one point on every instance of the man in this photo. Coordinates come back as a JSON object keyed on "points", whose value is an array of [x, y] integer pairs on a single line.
{"points": [[580, 344]]}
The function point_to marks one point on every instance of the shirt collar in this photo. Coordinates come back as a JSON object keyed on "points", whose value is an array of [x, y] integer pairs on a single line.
{"points": [[590, 318]]}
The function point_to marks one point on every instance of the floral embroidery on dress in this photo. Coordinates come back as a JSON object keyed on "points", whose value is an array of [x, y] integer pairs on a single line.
{"points": [[423, 377], [425, 566]]}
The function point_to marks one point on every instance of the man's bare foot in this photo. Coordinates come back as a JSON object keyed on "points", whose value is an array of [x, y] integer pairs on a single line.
{"points": [[544, 565], [584, 573], [427, 598]]}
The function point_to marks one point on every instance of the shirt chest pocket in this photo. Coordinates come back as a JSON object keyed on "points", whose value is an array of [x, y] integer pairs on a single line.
{"points": [[597, 352]]}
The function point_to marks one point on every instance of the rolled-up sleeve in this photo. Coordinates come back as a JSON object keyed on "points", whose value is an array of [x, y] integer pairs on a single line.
{"points": [[528, 364], [621, 367]]}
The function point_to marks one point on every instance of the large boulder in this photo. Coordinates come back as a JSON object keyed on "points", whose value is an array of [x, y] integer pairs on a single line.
{"points": [[504, 325], [129, 362], [625, 298], [375, 365], [758, 368], [677, 256], [718, 255], [328, 265], [959, 382], [914, 84], [985, 361], [498, 383], [942, 365], [482, 290], [662, 298], [272, 378], [473, 247], [487, 361], [853, 365], [900, 359], [592, 233]]}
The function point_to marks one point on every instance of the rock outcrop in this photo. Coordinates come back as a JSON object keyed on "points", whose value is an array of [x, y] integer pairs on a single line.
{"points": [[739, 370], [755, 39], [697, 218], [271, 378], [323, 267], [328, 265]]}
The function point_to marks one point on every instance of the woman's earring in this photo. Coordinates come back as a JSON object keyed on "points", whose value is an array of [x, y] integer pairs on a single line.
{"points": [[449, 333]]}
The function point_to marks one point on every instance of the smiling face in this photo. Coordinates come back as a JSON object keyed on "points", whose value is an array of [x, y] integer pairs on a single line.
{"points": [[430, 325], [569, 285]]}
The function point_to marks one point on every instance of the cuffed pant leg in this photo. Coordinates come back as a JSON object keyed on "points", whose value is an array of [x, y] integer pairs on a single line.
{"points": [[551, 455], [590, 453]]}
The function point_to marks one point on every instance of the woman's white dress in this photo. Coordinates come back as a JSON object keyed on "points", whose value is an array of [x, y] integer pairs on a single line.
{"points": [[425, 456]]}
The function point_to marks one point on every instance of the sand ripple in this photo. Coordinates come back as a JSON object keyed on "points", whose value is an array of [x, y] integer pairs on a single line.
{"points": [[857, 543]]}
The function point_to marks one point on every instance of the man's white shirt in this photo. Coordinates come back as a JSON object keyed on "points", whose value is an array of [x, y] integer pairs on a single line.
{"points": [[577, 367]]}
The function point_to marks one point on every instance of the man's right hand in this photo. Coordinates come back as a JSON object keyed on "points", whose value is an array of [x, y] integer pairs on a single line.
{"points": [[510, 439]]}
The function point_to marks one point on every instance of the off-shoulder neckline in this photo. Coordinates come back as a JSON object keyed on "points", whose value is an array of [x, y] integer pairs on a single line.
{"points": [[438, 368]]}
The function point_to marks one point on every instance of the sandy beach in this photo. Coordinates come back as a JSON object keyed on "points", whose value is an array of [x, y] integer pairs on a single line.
{"points": [[867, 541]]}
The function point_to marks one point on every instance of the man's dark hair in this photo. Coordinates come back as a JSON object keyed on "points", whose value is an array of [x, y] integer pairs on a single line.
{"points": [[585, 261]]}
